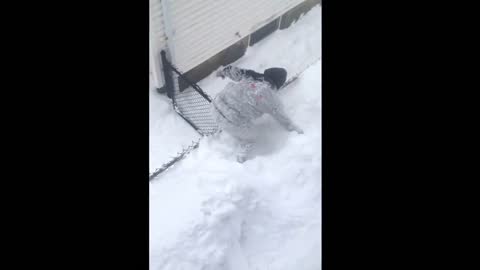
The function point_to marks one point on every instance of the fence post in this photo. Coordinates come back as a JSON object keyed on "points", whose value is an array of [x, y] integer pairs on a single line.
{"points": [[167, 74]]}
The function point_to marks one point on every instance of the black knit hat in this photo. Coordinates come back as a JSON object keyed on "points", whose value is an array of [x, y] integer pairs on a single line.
{"points": [[277, 75]]}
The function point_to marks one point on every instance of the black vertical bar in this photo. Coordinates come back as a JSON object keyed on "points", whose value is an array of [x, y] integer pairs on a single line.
{"points": [[167, 74]]}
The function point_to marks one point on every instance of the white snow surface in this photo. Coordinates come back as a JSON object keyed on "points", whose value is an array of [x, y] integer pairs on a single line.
{"points": [[209, 212]]}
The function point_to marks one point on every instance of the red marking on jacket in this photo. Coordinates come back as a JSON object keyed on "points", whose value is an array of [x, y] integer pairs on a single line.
{"points": [[253, 85]]}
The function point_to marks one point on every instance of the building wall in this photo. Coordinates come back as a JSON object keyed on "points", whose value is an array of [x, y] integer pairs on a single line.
{"points": [[202, 28], [158, 40], [201, 35]]}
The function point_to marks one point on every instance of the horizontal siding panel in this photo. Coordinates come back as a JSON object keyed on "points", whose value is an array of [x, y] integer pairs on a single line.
{"points": [[201, 29], [194, 13], [247, 9], [226, 21]]}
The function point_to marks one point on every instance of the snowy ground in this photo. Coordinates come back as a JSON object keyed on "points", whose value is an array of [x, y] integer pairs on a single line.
{"points": [[210, 212]]}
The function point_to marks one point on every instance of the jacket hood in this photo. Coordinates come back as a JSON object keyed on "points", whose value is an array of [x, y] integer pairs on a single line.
{"points": [[277, 75]]}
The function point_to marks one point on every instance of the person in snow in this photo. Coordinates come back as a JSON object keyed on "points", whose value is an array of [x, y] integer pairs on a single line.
{"points": [[238, 104]]}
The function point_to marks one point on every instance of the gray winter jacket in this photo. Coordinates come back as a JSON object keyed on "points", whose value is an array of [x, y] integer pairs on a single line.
{"points": [[240, 103]]}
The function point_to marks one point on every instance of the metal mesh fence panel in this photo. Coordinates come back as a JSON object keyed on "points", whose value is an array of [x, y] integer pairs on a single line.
{"points": [[195, 108], [192, 103]]}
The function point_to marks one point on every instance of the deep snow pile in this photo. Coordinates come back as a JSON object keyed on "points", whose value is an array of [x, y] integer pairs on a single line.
{"points": [[210, 212]]}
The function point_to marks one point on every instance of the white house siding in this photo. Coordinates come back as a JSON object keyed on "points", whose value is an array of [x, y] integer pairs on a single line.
{"points": [[202, 28], [199, 29], [158, 40]]}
